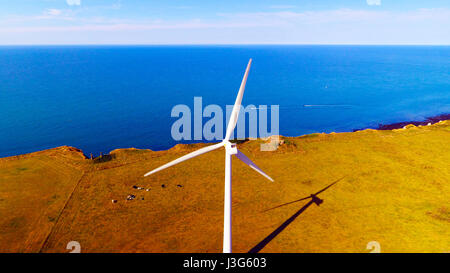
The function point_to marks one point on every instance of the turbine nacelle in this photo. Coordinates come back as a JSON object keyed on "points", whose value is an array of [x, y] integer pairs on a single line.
{"points": [[230, 147]]}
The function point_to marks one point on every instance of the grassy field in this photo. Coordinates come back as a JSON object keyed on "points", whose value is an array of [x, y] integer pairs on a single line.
{"points": [[33, 191], [394, 189]]}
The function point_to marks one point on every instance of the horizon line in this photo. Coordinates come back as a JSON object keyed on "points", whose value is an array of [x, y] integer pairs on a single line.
{"points": [[224, 44]]}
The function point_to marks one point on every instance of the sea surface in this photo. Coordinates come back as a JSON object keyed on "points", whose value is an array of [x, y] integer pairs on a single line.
{"points": [[99, 98]]}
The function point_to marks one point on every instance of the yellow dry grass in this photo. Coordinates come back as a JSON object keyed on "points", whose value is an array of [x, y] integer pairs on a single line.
{"points": [[396, 190], [33, 191]]}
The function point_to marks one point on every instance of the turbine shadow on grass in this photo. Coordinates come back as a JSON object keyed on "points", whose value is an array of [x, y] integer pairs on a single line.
{"points": [[314, 199], [277, 231]]}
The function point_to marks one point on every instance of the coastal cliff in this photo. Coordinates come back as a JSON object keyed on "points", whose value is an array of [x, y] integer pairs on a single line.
{"points": [[393, 188]]}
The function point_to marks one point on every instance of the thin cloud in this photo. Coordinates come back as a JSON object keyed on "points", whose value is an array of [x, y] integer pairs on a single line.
{"points": [[282, 7], [281, 18], [182, 7], [130, 27], [373, 2], [341, 26], [241, 20], [53, 12], [73, 2]]}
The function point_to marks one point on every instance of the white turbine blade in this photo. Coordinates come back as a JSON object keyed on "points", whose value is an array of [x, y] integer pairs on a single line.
{"points": [[186, 157], [237, 105], [252, 165]]}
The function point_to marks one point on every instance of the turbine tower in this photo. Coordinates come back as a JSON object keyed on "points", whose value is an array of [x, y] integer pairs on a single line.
{"points": [[230, 150]]}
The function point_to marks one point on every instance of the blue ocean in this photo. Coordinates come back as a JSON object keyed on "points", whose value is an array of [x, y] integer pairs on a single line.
{"points": [[99, 98]]}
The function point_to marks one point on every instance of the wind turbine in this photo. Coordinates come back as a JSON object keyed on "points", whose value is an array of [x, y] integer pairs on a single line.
{"points": [[230, 150]]}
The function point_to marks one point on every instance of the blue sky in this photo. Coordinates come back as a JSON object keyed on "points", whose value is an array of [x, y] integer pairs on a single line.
{"points": [[224, 22]]}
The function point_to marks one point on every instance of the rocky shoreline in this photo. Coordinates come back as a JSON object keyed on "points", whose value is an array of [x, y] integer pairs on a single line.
{"points": [[399, 125]]}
